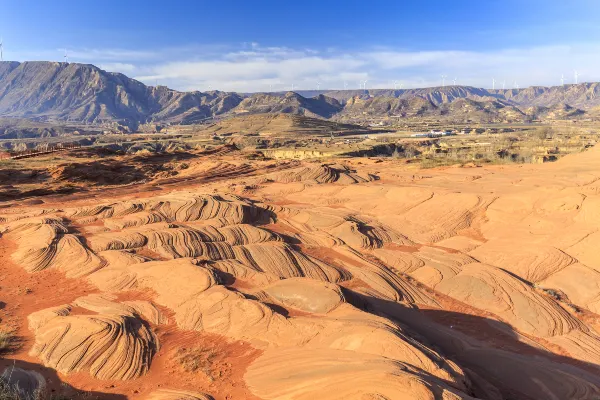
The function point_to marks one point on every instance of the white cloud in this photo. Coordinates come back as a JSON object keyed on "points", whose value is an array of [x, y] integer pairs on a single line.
{"points": [[252, 67], [396, 60], [259, 68], [542, 65], [124, 68]]}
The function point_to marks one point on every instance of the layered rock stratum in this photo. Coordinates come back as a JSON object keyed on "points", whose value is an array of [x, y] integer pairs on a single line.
{"points": [[354, 279]]}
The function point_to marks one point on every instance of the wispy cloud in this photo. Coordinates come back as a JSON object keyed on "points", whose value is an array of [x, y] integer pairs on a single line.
{"points": [[252, 67], [257, 68], [123, 68]]}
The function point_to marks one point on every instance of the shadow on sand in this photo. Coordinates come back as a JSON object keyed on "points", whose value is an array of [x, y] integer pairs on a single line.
{"points": [[55, 388], [500, 363]]}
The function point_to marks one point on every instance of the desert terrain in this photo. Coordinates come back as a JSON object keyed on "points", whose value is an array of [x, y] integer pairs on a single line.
{"points": [[245, 277], [437, 243]]}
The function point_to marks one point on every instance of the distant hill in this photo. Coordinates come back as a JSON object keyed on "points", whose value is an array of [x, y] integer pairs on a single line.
{"points": [[436, 95], [457, 110], [279, 125], [582, 95], [555, 112], [21, 128], [388, 106], [486, 111], [85, 94], [290, 103]]}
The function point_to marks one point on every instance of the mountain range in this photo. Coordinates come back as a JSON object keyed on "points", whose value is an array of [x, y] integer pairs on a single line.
{"points": [[83, 93], [583, 95]]}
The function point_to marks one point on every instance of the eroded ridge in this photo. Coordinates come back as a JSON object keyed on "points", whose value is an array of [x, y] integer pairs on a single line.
{"points": [[111, 342], [345, 285]]}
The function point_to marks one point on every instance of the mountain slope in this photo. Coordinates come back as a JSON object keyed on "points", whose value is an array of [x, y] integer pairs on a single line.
{"points": [[388, 106], [278, 124], [85, 93], [555, 112], [583, 95], [291, 103], [457, 110], [486, 111], [21, 128]]}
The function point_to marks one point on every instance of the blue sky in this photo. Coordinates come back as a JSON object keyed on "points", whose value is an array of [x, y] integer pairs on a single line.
{"points": [[261, 45]]}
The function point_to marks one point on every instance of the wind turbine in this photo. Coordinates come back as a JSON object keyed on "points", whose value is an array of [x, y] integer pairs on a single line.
{"points": [[365, 84], [270, 88], [318, 85], [562, 80], [516, 85], [345, 85], [493, 83], [576, 77], [444, 80], [454, 81], [292, 87], [395, 85], [503, 84], [1, 49], [66, 57]]}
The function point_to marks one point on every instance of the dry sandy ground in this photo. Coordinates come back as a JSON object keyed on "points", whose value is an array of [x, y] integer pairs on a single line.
{"points": [[352, 279]]}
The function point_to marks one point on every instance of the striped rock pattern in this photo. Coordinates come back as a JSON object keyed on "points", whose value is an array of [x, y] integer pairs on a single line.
{"points": [[455, 283], [111, 343]]}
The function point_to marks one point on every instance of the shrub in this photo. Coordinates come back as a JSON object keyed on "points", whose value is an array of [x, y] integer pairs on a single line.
{"points": [[8, 392], [7, 340], [199, 359]]}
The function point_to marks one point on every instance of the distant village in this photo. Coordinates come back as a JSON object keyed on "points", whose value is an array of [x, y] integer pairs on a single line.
{"points": [[467, 131]]}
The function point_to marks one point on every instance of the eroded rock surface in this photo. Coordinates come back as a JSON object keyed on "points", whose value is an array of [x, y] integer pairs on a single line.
{"points": [[347, 287]]}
